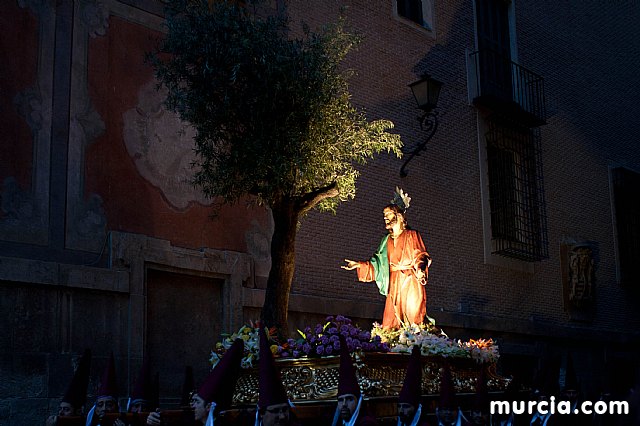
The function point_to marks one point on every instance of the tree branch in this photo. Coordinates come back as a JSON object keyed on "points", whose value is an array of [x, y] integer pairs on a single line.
{"points": [[309, 200]]}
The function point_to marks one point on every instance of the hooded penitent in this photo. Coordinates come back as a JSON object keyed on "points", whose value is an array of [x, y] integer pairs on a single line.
{"points": [[447, 391], [481, 398], [108, 383], [76, 394], [272, 391], [348, 381], [219, 385], [412, 386], [143, 388]]}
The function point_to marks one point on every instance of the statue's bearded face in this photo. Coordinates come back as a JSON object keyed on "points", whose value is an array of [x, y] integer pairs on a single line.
{"points": [[393, 221], [390, 218]]}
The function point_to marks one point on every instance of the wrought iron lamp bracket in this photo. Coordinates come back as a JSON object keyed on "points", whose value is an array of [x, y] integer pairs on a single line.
{"points": [[429, 123]]}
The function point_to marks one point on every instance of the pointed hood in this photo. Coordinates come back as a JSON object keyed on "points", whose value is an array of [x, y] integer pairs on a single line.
{"points": [[481, 398], [271, 389], [108, 383], [412, 386], [143, 388], [188, 386], [219, 385], [512, 392], [348, 381], [447, 390], [551, 374], [76, 394], [570, 379]]}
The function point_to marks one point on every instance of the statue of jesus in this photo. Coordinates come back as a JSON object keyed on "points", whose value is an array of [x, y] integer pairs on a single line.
{"points": [[400, 267]]}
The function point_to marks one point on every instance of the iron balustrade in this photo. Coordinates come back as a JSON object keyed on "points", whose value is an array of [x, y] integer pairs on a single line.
{"points": [[501, 85]]}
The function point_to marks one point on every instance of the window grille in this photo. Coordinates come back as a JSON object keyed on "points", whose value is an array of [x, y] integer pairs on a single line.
{"points": [[626, 192], [516, 194]]}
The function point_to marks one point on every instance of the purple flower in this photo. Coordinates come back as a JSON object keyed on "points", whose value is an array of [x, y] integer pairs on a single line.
{"points": [[344, 328], [324, 340], [328, 350], [329, 318], [353, 332], [296, 354], [284, 354], [333, 330], [334, 338], [291, 342], [340, 318], [306, 348], [336, 345], [313, 339], [318, 329], [320, 350]]}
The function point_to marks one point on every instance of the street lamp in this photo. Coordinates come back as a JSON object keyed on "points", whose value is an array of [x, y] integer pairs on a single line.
{"points": [[426, 91]]}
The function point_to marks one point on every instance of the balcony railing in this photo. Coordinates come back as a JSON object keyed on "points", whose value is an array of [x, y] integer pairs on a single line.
{"points": [[506, 87]]}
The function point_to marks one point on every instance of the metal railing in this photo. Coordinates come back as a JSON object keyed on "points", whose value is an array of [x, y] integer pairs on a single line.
{"points": [[501, 84]]}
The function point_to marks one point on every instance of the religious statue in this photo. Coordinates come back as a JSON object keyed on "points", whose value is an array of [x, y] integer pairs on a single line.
{"points": [[581, 272], [400, 267]]}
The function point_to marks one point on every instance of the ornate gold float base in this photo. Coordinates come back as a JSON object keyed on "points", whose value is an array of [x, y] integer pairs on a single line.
{"points": [[379, 375]]}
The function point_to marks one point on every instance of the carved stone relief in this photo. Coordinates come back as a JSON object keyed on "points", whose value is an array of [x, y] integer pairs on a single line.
{"points": [[258, 239], [21, 218], [162, 147], [25, 211], [86, 221], [578, 263], [95, 16], [581, 275]]}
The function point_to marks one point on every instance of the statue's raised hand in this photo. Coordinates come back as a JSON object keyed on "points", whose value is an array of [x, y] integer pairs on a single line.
{"points": [[351, 265]]}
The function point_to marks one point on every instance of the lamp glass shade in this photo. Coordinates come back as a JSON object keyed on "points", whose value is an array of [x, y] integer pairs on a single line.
{"points": [[426, 91]]}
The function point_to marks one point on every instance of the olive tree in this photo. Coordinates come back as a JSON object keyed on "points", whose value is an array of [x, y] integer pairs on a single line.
{"points": [[273, 117]]}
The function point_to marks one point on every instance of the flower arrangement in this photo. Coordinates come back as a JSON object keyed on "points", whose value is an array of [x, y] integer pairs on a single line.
{"points": [[433, 341], [482, 351], [248, 333], [323, 340]]}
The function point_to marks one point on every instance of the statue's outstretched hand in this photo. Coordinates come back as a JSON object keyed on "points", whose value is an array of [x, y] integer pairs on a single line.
{"points": [[351, 265]]}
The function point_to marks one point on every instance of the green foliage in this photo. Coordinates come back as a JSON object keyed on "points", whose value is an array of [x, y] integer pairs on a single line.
{"points": [[272, 113]]}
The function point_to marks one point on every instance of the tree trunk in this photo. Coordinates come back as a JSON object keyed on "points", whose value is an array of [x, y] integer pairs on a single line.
{"points": [[276, 302]]}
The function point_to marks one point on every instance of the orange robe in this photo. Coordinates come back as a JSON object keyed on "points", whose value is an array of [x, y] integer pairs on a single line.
{"points": [[406, 295]]}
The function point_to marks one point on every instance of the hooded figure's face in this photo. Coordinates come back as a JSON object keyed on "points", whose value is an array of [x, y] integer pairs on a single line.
{"points": [[104, 405], [65, 409], [479, 418], [276, 415], [347, 406], [139, 406], [406, 412], [200, 408], [447, 415]]}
